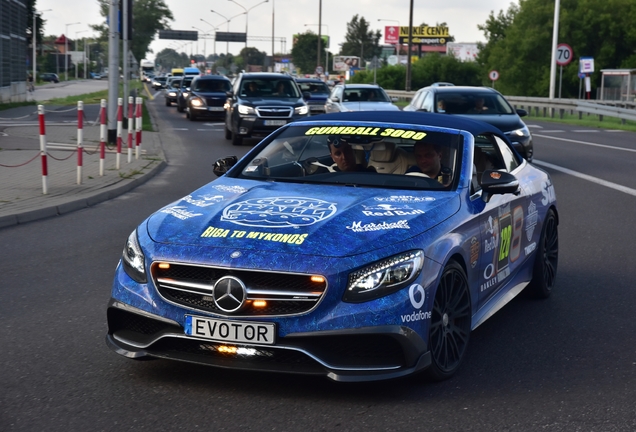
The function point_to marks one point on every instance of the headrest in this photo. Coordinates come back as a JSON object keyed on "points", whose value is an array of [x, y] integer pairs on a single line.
{"points": [[383, 152]]}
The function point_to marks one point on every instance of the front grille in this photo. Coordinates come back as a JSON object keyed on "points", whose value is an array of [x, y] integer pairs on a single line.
{"points": [[214, 102], [284, 294], [274, 112]]}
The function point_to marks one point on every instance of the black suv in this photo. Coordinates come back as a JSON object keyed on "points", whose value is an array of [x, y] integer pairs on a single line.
{"points": [[183, 93], [260, 103], [50, 77], [207, 97], [481, 103]]}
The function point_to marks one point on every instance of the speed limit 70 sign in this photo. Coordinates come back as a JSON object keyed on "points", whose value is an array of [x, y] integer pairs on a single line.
{"points": [[564, 54]]}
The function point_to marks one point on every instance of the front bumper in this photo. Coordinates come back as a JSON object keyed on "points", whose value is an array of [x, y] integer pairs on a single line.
{"points": [[251, 125], [360, 354]]}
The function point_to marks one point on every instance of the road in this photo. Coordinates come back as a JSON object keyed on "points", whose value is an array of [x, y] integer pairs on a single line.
{"points": [[564, 364]]}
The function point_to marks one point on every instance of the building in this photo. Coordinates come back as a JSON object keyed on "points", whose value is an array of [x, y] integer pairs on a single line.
{"points": [[13, 46]]}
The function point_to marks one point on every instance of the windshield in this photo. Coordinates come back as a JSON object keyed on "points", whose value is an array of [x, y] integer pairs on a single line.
{"points": [[269, 88], [314, 87], [210, 86], [365, 95], [472, 103], [369, 154]]}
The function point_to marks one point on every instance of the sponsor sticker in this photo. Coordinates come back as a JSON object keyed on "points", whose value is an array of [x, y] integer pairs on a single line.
{"points": [[367, 131], [293, 239], [203, 200], [531, 220], [279, 212], [474, 252], [180, 212], [547, 190], [404, 199], [358, 227]]}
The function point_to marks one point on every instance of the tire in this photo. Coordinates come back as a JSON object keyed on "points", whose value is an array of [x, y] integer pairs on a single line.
{"points": [[191, 116], [450, 323], [228, 133], [168, 102], [180, 108], [547, 259], [237, 140]]}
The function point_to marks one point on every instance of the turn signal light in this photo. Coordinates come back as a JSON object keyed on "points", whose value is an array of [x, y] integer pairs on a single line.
{"points": [[317, 279], [164, 266], [228, 349], [259, 303]]}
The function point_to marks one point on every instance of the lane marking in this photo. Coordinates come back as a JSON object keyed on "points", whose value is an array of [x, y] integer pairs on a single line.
{"points": [[586, 130], [586, 143], [596, 180]]}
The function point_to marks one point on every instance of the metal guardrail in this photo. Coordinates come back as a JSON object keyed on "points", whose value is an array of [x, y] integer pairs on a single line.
{"points": [[551, 107]]}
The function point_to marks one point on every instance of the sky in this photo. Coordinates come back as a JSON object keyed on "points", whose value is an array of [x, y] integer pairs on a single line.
{"points": [[290, 17]]}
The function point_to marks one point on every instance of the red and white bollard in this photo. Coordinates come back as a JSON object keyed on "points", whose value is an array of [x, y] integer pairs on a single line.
{"points": [[131, 109], [102, 136], [45, 170], [120, 118], [138, 127], [80, 140]]}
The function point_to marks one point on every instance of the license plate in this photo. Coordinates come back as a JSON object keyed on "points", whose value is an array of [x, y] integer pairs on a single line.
{"points": [[275, 122], [216, 108], [231, 331]]}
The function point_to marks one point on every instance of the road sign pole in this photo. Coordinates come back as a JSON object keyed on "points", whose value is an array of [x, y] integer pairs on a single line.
{"points": [[560, 79]]}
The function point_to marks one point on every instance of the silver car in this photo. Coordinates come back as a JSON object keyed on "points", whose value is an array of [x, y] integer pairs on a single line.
{"points": [[359, 97]]}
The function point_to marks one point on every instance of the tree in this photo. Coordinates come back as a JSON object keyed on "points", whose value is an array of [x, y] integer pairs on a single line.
{"points": [[360, 41], [520, 43], [39, 23], [305, 52], [149, 16], [252, 56]]}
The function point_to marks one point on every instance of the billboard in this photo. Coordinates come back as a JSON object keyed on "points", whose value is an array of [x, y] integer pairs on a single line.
{"points": [[391, 35], [462, 51], [345, 63], [426, 35]]}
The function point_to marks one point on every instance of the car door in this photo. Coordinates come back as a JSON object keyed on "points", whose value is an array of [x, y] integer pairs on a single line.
{"points": [[335, 98], [501, 221]]}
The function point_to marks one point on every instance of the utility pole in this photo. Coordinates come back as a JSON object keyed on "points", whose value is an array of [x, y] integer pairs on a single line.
{"points": [[407, 86], [113, 70]]}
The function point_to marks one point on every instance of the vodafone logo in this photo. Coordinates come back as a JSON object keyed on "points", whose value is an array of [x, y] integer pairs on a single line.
{"points": [[417, 296]]}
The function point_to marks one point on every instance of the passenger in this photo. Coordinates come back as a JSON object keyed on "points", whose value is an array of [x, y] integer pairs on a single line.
{"points": [[479, 107], [428, 158], [343, 155], [252, 89], [441, 106], [281, 90]]}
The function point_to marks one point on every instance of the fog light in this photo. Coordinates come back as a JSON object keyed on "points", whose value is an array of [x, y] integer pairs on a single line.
{"points": [[259, 303], [243, 131], [226, 349]]}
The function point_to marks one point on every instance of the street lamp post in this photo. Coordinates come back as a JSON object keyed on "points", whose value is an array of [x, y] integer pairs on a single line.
{"points": [[75, 49], [66, 50], [246, 11], [227, 20], [215, 30], [34, 30], [204, 34]]}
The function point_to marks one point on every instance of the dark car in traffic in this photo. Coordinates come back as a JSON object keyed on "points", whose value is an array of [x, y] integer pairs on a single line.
{"points": [[261, 102], [482, 103], [172, 90], [207, 97], [159, 82], [183, 93], [50, 77], [319, 92]]}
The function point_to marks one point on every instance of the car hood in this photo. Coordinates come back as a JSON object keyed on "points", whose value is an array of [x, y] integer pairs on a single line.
{"points": [[210, 94], [503, 122], [370, 106], [298, 218], [284, 102]]}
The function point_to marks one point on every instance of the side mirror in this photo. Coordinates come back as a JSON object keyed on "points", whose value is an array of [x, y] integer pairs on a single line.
{"points": [[306, 96], [335, 99], [498, 183], [522, 112], [422, 109], [229, 94], [223, 165]]}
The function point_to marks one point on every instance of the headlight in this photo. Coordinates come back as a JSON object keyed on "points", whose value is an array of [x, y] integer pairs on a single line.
{"points": [[522, 132], [196, 102], [302, 110], [133, 259], [186, 94], [383, 277], [172, 94], [244, 109]]}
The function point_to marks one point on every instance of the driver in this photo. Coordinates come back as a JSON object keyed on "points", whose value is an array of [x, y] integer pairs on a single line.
{"points": [[428, 158], [343, 155]]}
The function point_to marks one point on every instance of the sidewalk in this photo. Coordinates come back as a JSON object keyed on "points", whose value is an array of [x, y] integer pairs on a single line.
{"points": [[21, 186]]}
